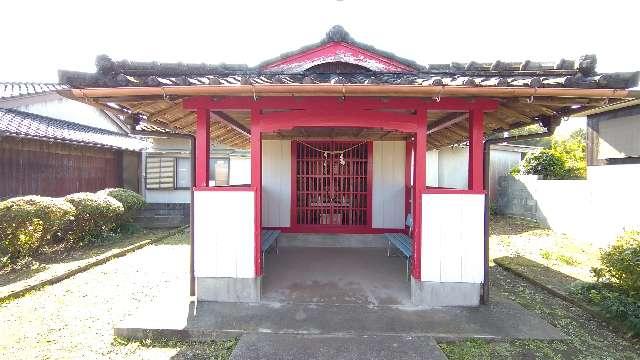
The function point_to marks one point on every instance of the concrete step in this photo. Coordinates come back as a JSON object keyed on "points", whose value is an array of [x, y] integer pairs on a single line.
{"points": [[262, 346], [161, 221], [501, 319]]}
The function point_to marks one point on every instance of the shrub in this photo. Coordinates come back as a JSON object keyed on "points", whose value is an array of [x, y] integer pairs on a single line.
{"points": [[130, 200], [612, 302], [621, 264], [27, 223], [544, 163], [564, 159], [96, 215]]}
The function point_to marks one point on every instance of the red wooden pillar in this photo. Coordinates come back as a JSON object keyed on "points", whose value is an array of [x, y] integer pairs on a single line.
{"points": [[256, 185], [419, 184], [476, 138], [202, 147]]}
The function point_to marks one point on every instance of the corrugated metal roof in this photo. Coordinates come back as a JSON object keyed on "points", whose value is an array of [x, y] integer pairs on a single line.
{"points": [[23, 124]]}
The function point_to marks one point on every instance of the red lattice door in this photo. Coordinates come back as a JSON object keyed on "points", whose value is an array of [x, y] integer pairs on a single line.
{"points": [[332, 184]]}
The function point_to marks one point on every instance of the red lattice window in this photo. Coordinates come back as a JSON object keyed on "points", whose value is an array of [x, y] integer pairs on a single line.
{"points": [[332, 184]]}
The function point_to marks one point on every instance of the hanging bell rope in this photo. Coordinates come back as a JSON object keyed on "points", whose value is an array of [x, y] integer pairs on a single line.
{"points": [[325, 153]]}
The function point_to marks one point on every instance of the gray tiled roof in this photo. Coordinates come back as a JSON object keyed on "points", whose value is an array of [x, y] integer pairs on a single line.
{"points": [[19, 89], [23, 124], [563, 73]]}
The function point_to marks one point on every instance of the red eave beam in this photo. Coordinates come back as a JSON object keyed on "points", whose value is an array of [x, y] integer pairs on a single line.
{"points": [[352, 103]]}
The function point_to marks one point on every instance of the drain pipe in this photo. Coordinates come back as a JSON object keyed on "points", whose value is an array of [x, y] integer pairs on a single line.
{"points": [[192, 142], [487, 161]]}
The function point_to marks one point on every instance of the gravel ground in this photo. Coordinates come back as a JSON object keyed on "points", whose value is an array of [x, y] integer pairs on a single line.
{"points": [[74, 319]]}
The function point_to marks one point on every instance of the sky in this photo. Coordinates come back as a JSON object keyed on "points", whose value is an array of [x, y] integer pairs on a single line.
{"points": [[41, 37]]}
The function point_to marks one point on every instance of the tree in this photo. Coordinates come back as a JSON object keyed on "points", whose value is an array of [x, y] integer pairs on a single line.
{"points": [[564, 159]]}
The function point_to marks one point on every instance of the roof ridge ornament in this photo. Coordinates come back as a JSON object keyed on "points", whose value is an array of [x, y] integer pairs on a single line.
{"points": [[338, 34]]}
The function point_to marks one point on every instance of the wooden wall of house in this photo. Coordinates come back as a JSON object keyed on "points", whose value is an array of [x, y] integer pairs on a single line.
{"points": [[35, 167]]}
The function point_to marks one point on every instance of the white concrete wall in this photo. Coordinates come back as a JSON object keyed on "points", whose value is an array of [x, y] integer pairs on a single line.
{"points": [[276, 183], [224, 235], [595, 210], [388, 193], [452, 238]]}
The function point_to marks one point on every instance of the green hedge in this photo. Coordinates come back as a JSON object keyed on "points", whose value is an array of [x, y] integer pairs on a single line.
{"points": [[96, 215], [612, 302], [621, 264], [130, 200], [28, 223]]}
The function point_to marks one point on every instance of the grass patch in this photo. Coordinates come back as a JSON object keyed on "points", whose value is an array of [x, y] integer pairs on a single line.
{"points": [[475, 349], [215, 350], [510, 236]]}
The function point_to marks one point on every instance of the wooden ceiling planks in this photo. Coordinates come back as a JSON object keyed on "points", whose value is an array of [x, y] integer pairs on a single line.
{"points": [[511, 113]]}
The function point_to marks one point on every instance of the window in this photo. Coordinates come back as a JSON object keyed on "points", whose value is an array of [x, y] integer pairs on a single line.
{"points": [[218, 172], [183, 173], [160, 172]]}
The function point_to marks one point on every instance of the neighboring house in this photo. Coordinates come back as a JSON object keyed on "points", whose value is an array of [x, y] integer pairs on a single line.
{"points": [[166, 177], [338, 133], [613, 134], [447, 167], [46, 156], [69, 142], [43, 99]]}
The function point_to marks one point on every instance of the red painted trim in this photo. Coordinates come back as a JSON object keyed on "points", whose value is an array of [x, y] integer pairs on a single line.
{"points": [[407, 178], [420, 175], [256, 183], [370, 184], [323, 54], [476, 151], [353, 103], [452, 191], [285, 121], [225, 188], [203, 123], [294, 182]]}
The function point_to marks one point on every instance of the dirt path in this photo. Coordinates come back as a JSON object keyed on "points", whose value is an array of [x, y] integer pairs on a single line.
{"points": [[74, 319]]}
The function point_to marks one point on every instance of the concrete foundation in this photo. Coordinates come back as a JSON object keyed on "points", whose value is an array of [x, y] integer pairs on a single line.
{"points": [[228, 289], [438, 294]]}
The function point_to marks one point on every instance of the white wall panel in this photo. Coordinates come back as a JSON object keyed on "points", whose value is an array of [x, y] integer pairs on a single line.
{"points": [[452, 238], [388, 193], [276, 183], [224, 235]]}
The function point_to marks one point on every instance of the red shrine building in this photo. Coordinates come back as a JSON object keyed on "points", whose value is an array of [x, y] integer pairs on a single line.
{"points": [[341, 137]]}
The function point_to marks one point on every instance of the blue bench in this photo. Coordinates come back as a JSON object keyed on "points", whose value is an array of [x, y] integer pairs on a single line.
{"points": [[269, 238], [402, 242]]}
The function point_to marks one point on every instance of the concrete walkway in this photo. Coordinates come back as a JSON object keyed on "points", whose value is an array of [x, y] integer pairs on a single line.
{"points": [[344, 347], [501, 319]]}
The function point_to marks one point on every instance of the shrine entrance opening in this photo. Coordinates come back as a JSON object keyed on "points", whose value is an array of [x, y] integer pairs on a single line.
{"points": [[331, 185]]}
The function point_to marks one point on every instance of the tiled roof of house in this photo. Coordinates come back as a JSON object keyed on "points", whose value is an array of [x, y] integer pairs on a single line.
{"points": [[23, 124], [10, 90]]}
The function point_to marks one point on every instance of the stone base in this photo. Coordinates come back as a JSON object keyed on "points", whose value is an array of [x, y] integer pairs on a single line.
{"points": [[437, 294], [228, 289]]}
